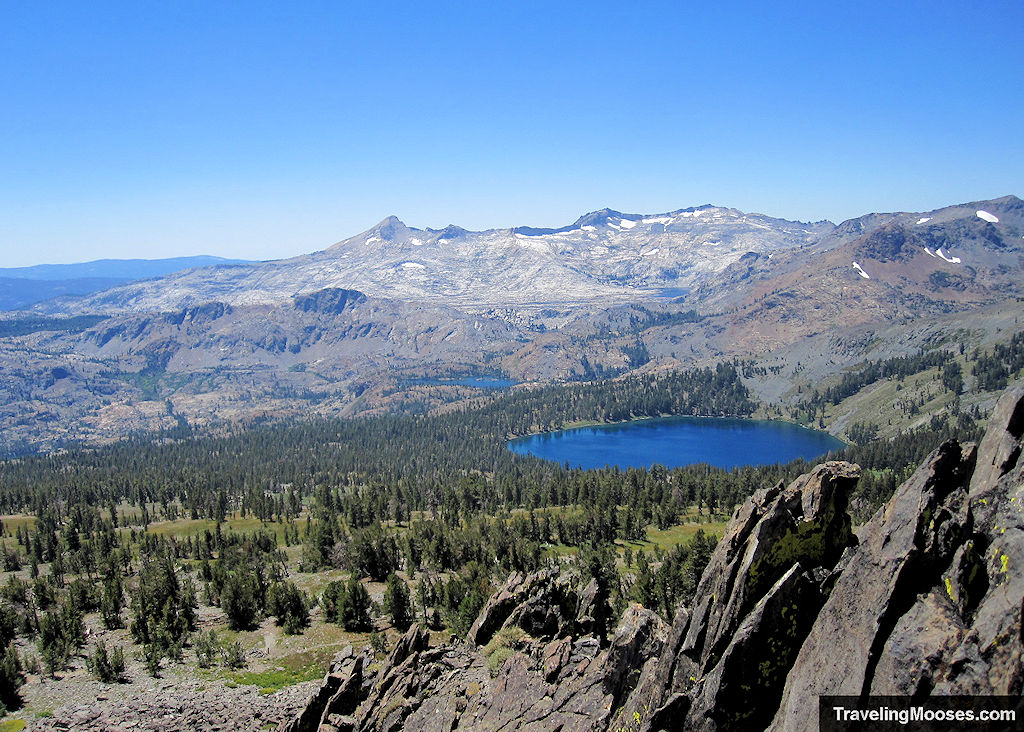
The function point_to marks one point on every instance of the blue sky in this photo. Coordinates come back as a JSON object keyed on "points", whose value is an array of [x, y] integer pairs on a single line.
{"points": [[263, 130]]}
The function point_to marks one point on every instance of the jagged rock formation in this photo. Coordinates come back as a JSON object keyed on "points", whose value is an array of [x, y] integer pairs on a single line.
{"points": [[339, 694], [755, 604], [926, 599], [535, 670], [931, 601]]}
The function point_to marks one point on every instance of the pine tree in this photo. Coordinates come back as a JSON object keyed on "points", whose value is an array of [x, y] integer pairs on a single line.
{"points": [[397, 602], [240, 600], [112, 602], [107, 667], [11, 677], [356, 613], [289, 605]]}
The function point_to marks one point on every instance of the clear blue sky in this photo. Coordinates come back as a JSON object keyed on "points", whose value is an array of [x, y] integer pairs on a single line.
{"points": [[263, 130]]}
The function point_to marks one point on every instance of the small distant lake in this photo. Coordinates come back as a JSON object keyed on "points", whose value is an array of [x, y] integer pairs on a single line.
{"points": [[480, 382], [678, 441]]}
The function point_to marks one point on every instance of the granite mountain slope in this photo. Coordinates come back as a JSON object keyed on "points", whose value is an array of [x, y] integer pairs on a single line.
{"points": [[604, 256], [21, 287]]}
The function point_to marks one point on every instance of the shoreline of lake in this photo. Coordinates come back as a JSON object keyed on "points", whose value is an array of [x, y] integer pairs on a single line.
{"points": [[680, 440]]}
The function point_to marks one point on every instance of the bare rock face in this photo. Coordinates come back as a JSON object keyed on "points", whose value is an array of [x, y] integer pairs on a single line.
{"points": [[518, 590], [416, 639], [755, 603], [930, 602], [339, 693], [1000, 449], [903, 545]]}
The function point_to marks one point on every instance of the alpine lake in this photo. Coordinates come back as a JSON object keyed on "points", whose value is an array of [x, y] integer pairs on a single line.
{"points": [[678, 441]]}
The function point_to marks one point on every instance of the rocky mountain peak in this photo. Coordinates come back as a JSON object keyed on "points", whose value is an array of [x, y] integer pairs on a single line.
{"points": [[596, 218], [390, 228], [451, 231]]}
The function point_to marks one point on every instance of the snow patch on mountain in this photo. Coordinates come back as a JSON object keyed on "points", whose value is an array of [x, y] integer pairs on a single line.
{"points": [[951, 260], [986, 216], [861, 271], [924, 220]]}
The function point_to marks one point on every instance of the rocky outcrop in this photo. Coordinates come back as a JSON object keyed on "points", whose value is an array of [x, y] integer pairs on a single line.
{"points": [[755, 604], [905, 547], [560, 678], [340, 693], [531, 597], [931, 600], [331, 301], [925, 599]]}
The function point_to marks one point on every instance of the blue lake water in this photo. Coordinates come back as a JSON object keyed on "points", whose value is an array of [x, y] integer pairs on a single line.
{"points": [[484, 382], [480, 382], [678, 441]]}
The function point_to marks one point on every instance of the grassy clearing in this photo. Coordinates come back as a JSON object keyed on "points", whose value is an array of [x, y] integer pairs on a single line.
{"points": [[12, 523], [315, 582], [675, 535], [557, 551], [181, 528], [291, 659], [663, 539], [13, 725], [886, 403], [272, 680]]}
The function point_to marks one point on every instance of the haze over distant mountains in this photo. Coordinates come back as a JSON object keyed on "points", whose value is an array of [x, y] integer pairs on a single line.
{"points": [[357, 326], [23, 286]]}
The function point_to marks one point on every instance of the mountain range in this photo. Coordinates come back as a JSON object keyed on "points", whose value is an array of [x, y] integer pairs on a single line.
{"points": [[24, 286], [358, 326], [605, 255]]}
